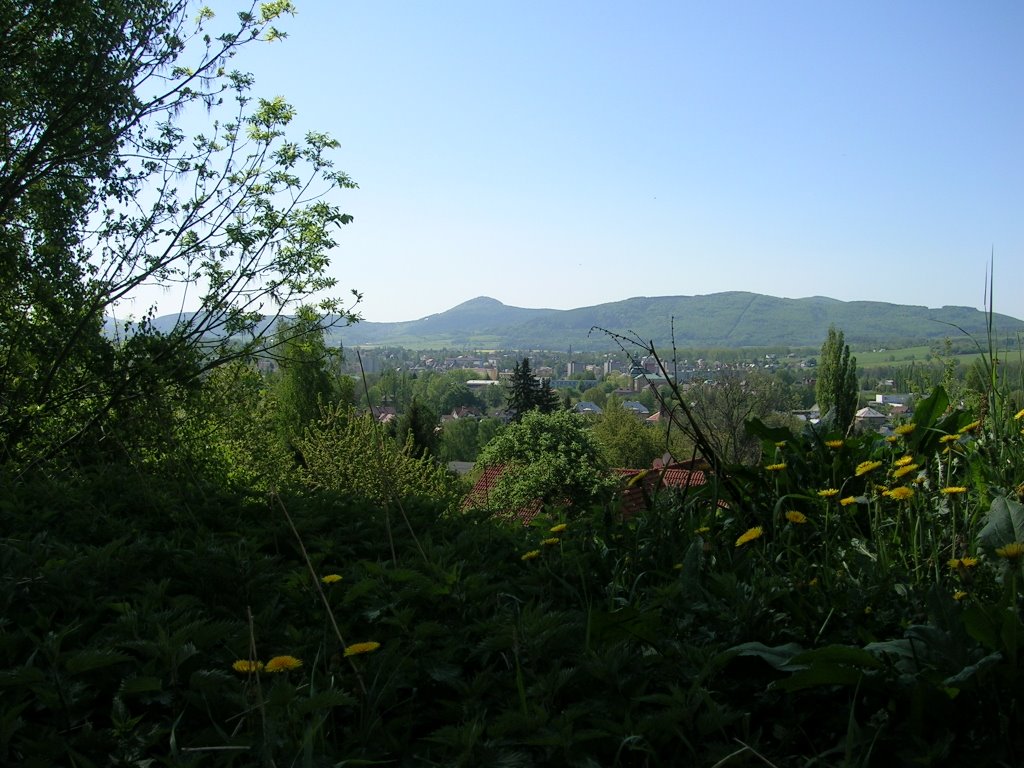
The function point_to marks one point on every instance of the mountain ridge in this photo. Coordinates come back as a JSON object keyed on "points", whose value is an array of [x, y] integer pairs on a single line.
{"points": [[725, 319]]}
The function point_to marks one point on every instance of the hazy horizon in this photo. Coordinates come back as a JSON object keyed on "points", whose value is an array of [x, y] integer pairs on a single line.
{"points": [[570, 154]]}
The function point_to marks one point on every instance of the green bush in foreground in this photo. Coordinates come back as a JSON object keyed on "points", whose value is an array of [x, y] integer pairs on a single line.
{"points": [[826, 619]]}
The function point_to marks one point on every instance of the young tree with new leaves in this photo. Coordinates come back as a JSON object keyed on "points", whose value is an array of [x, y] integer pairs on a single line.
{"points": [[103, 193], [305, 383]]}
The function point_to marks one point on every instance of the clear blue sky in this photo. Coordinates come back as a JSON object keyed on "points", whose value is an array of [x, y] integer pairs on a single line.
{"points": [[565, 154]]}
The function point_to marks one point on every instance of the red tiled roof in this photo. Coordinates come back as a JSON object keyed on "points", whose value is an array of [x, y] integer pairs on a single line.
{"points": [[677, 477], [479, 496]]}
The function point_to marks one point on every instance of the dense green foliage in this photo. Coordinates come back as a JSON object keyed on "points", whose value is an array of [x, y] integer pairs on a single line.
{"points": [[797, 629], [625, 440], [103, 194], [548, 457]]}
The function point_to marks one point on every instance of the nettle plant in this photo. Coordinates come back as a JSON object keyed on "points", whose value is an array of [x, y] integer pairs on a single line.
{"points": [[903, 558]]}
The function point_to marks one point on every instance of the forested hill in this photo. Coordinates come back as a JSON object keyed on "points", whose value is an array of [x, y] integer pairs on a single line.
{"points": [[733, 319]]}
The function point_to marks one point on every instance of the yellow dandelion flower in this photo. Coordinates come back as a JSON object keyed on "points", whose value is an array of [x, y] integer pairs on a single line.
{"points": [[550, 542], [953, 489], [533, 553], [1019, 415], [558, 528], [900, 494], [902, 461], [780, 444], [834, 443], [949, 438], [847, 501], [813, 582], [962, 562], [247, 667], [796, 517], [775, 467], [753, 533], [867, 466], [283, 664], [703, 529], [891, 439], [968, 427], [331, 578], [959, 595], [904, 429], [357, 648], [1012, 551], [828, 493], [905, 470]]}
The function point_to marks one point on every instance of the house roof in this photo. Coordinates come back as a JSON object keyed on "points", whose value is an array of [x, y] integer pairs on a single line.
{"points": [[636, 406], [479, 496], [869, 413], [641, 485]]}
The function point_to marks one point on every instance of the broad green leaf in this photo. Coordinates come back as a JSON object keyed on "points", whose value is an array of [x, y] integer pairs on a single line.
{"points": [[133, 685], [982, 626], [928, 411], [780, 656], [1004, 524], [819, 674], [758, 428], [900, 647], [838, 654], [971, 671]]}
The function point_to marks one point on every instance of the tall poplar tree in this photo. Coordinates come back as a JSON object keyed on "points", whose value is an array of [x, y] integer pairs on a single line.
{"points": [[836, 388]]}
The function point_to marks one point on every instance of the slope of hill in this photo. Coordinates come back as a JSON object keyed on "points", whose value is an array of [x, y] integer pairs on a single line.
{"points": [[733, 319]]}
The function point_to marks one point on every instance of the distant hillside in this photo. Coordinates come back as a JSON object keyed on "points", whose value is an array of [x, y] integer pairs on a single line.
{"points": [[733, 319]]}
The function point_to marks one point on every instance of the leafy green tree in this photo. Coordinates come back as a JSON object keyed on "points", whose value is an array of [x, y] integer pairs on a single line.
{"points": [[551, 457], [597, 395], [447, 391], [836, 388], [458, 440], [102, 193], [418, 427], [242, 421], [625, 440], [304, 383], [463, 439], [347, 452], [724, 407]]}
